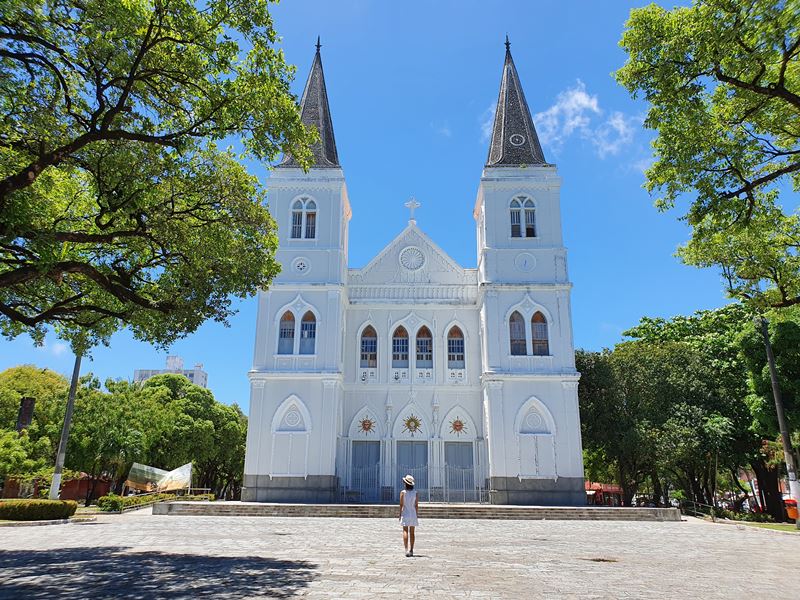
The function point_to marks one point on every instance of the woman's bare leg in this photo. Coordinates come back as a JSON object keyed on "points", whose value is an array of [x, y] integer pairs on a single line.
{"points": [[411, 535], [405, 538]]}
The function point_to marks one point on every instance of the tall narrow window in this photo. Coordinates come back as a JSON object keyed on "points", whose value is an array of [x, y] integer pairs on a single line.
{"points": [[297, 220], [424, 348], [369, 348], [308, 333], [311, 220], [530, 219], [455, 349], [541, 347], [400, 348], [516, 328], [304, 219], [516, 230], [286, 334]]}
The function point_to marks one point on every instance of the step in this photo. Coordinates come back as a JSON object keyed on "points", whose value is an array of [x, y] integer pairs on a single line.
{"points": [[429, 511]]}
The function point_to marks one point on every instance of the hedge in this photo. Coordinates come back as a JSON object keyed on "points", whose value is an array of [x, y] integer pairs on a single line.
{"points": [[114, 503], [37, 510]]}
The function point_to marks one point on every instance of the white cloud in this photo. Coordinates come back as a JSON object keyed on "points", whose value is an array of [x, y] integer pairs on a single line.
{"points": [[443, 130], [572, 112], [58, 348], [578, 112], [611, 136], [487, 122]]}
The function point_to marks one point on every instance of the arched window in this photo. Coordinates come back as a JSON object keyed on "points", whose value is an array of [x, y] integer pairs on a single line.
{"points": [[286, 334], [311, 220], [304, 219], [455, 348], [308, 333], [516, 329], [369, 348], [400, 348], [541, 346], [530, 219], [522, 210], [424, 348], [516, 229], [297, 220]]}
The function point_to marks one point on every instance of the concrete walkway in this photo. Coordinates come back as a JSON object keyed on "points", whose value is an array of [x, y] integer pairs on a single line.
{"points": [[138, 555]]}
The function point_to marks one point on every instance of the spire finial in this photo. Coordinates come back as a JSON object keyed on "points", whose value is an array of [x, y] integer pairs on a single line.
{"points": [[318, 45], [508, 44]]}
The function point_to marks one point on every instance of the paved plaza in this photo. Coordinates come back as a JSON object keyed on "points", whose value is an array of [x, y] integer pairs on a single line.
{"points": [[138, 555]]}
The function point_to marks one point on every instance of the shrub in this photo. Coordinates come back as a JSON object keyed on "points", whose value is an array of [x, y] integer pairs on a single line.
{"points": [[37, 510], [114, 503], [198, 497], [745, 516]]}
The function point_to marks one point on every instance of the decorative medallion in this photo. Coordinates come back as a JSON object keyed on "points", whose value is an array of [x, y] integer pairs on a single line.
{"points": [[457, 426], [412, 424], [516, 139], [301, 265], [367, 426], [533, 420], [412, 258], [292, 418], [525, 262]]}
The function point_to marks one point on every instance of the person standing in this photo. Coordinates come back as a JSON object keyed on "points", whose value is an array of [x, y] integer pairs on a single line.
{"points": [[409, 504]]}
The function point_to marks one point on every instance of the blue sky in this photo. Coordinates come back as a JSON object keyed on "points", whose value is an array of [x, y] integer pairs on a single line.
{"points": [[411, 87]]}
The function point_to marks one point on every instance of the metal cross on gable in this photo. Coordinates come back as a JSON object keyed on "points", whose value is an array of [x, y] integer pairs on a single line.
{"points": [[412, 205]]}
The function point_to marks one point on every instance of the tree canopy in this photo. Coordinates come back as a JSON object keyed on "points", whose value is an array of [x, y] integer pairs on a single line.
{"points": [[165, 422], [722, 79], [117, 206]]}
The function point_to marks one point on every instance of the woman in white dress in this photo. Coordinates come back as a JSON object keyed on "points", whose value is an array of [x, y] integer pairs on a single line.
{"points": [[409, 503]]}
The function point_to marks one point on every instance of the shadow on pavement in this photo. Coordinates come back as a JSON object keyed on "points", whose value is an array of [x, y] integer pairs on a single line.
{"points": [[113, 572]]}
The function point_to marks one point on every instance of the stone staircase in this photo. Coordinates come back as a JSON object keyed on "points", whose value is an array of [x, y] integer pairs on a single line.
{"points": [[426, 511]]}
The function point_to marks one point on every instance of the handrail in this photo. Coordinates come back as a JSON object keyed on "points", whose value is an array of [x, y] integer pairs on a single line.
{"points": [[712, 509]]}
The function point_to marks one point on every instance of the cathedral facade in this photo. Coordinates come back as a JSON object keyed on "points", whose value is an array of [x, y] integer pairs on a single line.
{"points": [[413, 364]]}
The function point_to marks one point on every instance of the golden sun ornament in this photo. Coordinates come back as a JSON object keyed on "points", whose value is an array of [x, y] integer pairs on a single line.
{"points": [[412, 424], [367, 425], [457, 426]]}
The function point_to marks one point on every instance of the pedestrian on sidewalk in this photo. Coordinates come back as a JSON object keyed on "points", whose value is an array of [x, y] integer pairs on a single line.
{"points": [[409, 504]]}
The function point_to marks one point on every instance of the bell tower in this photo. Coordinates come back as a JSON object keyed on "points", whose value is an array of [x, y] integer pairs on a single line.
{"points": [[529, 380], [296, 379]]}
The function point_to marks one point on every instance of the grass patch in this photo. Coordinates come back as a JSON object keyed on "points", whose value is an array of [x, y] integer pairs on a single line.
{"points": [[776, 526]]}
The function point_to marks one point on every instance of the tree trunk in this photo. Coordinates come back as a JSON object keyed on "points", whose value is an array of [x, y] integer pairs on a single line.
{"points": [[768, 484], [658, 490]]}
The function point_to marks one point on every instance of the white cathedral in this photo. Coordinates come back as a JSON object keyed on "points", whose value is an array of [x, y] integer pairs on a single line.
{"points": [[413, 364]]}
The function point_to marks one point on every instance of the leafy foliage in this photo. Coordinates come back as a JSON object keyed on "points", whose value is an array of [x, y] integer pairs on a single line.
{"points": [[117, 208], [723, 82], [37, 510], [165, 422], [665, 404]]}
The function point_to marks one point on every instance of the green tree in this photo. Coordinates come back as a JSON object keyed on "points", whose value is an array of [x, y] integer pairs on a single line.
{"points": [[722, 79], [49, 390], [117, 208]]}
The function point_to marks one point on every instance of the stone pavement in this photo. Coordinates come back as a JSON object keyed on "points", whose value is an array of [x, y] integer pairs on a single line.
{"points": [[138, 555]]}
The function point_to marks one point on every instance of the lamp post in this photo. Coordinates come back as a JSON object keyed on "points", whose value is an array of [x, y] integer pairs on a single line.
{"points": [[55, 485], [788, 452]]}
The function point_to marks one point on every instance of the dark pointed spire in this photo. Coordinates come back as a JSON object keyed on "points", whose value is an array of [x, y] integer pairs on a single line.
{"points": [[314, 111], [514, 139]]}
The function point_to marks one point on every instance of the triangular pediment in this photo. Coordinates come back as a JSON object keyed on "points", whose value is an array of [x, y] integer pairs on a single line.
{"points": [[412, 258]]}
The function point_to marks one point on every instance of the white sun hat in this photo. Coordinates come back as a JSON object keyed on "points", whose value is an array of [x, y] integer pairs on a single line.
{"points": [[409, 479]]}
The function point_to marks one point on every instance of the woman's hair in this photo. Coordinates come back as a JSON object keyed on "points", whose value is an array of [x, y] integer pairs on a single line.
{"points": [[408, 486]]}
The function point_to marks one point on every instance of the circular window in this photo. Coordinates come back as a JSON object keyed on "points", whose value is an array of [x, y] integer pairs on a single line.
{"points": [[301, 265], [412, 258], [516, 139]]}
